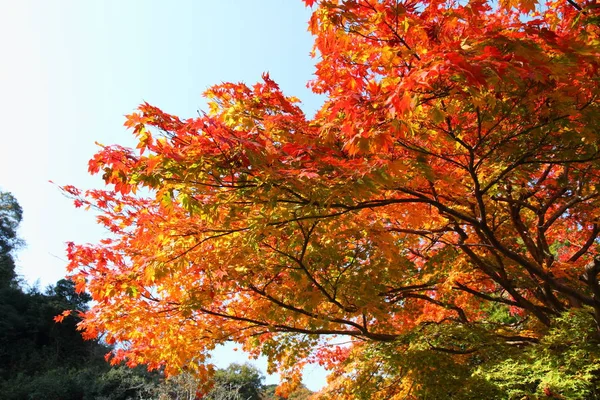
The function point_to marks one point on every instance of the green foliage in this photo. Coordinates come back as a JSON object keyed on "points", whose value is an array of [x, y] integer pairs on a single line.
{"points": [[419, 366], [53, 384], [122, 383], [65, 291], [30, 340], [241, 381], [499, 314], [45, 360], [440, 361], [565, 364], [11, 215], [182, 386], [245, 382], [82, 383]]}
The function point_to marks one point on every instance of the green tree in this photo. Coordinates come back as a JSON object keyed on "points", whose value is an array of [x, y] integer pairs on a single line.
{"points": [[42, 359], [65, 291], [237, 381], [11, 215]]}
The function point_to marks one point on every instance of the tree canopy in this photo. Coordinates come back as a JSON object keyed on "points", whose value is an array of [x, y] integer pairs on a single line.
{"points": [[440, 210]]}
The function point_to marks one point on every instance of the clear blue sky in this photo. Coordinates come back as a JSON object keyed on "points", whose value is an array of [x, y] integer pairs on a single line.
{"points": [[72, 69]]}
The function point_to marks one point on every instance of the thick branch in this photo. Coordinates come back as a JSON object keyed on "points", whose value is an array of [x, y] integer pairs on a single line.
{"points": [[589, 242]]}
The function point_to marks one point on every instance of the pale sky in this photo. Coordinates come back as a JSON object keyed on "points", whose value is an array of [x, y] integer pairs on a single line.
{"points": [[71, 69]]}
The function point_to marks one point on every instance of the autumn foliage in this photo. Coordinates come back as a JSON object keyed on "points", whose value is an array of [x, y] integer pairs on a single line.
{"points": [[446, 194]]}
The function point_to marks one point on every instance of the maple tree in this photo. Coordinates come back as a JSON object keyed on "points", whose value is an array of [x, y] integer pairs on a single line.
{"points": [[446, 195]]}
